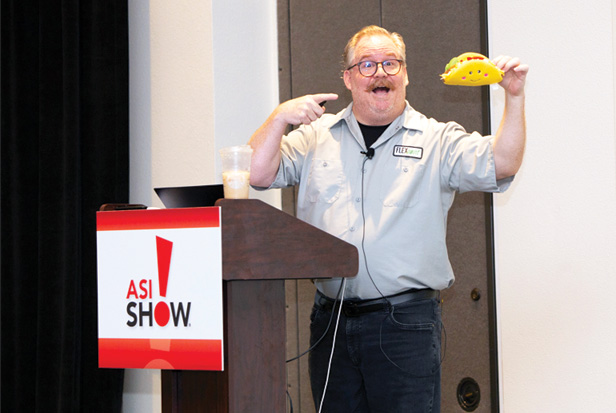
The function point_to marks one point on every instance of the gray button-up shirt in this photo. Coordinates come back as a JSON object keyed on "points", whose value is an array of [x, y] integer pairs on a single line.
{"points": [[392, 207]]}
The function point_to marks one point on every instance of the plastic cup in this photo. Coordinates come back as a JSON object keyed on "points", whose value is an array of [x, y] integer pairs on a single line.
{"points": [[236, 171]]}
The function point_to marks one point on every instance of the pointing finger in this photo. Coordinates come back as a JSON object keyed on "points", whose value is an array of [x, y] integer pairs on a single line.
{"points": [[324, 97]]}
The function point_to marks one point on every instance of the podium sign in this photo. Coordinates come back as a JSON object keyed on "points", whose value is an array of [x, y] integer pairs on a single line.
{"points": [[160, 289]]}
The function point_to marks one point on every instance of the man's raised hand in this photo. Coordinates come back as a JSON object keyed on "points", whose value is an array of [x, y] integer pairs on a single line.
{"points": [[304, 109]]}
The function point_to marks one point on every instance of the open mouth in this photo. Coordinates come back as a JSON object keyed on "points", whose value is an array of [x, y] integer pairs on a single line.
{"points": [[380, 89]]}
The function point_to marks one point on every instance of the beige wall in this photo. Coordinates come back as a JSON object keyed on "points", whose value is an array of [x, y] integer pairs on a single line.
{"points": [[197, 83], [556, 227]]}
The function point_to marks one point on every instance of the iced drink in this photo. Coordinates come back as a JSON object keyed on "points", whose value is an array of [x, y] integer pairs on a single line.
{"points": [[236, 184], [236, 171]]}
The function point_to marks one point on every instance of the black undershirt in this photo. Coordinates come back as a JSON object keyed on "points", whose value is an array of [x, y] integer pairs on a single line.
{"points": [[371, 133]]}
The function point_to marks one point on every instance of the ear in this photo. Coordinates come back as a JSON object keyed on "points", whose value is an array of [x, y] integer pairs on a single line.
{"points": [[406, 77], [347, 79]]}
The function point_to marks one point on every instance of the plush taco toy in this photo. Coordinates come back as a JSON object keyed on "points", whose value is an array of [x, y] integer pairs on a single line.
{"points": [[471, 69]]}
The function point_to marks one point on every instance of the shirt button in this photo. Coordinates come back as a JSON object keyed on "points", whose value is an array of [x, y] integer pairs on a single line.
{"points": [[357, 199], [352, 229], [406, 169], [324, 164]]}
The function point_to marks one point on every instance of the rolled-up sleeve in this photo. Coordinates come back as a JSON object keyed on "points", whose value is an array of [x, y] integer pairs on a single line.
{"points": [[467, 161], [293, 150]]}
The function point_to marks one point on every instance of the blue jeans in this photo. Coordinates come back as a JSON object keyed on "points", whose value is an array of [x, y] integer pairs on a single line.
{"points": [[385, 361]]}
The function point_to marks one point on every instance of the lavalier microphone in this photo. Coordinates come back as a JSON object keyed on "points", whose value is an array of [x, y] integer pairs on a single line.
{"points": [[369, 153]]}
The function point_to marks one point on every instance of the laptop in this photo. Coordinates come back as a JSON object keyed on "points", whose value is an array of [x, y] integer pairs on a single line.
{"points": [[190, 196]]}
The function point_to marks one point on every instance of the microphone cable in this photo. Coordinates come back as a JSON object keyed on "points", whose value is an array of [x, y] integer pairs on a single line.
{"points": [[339, 297], [331, 354], [331, 317], [368, 155]]}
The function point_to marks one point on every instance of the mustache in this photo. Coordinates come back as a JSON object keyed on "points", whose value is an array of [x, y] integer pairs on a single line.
{"points": [[380, 83]]}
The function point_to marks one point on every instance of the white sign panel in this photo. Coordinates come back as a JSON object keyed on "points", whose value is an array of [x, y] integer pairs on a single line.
{"points": [[160, 289]]}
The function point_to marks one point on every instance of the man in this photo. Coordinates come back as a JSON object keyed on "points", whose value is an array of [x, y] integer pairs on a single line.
{"points": [[382, 176]]}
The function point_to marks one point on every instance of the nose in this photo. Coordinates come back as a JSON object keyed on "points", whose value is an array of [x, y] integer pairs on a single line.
{"points": [[380, 70]]}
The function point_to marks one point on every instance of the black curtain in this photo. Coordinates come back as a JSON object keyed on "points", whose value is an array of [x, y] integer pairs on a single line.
{"points": [[64, 153]]}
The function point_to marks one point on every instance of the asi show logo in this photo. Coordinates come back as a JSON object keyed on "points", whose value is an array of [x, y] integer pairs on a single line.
{"points": [[160, 289], [144, 308]]}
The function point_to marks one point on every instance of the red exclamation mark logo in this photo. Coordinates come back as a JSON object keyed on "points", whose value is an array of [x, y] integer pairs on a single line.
{"points": [[163, 252]]}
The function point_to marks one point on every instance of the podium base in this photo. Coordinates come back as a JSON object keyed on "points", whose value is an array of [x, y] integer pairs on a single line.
{"points": [[254, 378]]}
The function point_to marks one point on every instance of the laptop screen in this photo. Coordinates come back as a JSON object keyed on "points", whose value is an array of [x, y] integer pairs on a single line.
{"points": [[190, 196]]}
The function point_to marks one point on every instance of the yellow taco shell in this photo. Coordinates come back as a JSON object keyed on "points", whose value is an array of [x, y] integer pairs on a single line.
{"points": [[471, 69]]}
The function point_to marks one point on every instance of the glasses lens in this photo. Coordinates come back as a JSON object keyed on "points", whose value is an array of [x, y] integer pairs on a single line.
{"points": [[367, 68], [391, 67]]}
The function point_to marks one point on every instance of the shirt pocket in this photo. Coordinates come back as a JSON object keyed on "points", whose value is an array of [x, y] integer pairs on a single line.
{"points": [[324, 181], [401, 183]]}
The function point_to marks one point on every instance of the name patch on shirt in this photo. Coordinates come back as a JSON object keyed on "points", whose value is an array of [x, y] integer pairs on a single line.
{"points": [[408, 151]]}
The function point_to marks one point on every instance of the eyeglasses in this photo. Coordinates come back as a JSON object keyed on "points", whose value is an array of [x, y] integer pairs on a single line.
{"points": [[368, 68]]}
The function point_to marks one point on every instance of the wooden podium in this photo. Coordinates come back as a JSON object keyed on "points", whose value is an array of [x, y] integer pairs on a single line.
{"points": [[261, 247]]}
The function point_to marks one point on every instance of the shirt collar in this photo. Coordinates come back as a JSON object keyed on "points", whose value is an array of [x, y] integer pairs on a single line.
{"points": [[409, 119]]}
